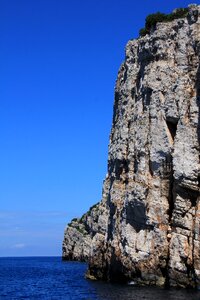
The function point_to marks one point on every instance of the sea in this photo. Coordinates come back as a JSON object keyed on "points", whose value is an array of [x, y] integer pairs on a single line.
{"points": [[51, 278]]}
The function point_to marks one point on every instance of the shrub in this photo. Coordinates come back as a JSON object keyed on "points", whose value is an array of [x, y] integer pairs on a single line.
{"points": [[153, 19], [180, 13], [82, 218], [74, 220], [81, 231], [143, 31], [93, 206]]}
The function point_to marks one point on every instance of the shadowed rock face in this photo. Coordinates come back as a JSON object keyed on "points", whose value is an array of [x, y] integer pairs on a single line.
{"points": [[147, 226]]}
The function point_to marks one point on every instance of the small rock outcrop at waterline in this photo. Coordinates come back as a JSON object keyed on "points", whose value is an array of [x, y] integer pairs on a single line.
{"points": [[146, 228]]}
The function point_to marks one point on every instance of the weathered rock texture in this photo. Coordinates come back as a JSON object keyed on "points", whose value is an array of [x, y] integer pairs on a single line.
{"points": [[147, 226]]}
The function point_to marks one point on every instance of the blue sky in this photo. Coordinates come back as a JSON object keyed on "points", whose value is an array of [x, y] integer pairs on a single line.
{"points": [[59, 62]]}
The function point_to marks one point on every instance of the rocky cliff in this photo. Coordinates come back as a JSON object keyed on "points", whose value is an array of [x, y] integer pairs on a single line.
{"points": [[147, 226]]}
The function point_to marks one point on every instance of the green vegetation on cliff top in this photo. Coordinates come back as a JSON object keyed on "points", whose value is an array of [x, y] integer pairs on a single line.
{"points": [[153, 19]]}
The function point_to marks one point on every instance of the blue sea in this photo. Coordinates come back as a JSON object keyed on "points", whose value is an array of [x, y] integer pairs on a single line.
{"points": [[50, 278]]}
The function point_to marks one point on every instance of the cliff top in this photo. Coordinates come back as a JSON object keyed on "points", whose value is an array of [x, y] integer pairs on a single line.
{"points": [[158, 17]]}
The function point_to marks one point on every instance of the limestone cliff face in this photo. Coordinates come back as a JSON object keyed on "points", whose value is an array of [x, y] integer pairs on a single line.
{"points": [[147, 226]]}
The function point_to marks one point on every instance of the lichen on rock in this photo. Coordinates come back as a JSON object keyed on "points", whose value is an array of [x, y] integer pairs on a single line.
{"points": [[146, 228]]}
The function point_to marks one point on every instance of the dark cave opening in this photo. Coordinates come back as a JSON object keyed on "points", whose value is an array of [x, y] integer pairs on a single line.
{"points": [[172, 126]]}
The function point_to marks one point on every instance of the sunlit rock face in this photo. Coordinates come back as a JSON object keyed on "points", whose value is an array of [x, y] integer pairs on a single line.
{"points": [[147, 227]]}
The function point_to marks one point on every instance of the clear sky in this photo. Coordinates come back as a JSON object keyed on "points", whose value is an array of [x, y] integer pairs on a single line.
{"points": [[59, 62]]}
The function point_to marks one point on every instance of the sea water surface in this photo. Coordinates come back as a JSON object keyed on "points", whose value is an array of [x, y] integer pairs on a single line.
{"points": [[50, 278]]}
